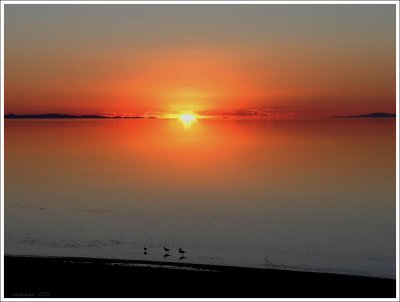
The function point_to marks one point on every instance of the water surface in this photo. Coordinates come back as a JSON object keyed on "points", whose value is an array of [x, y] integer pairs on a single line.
{"points": [[313, 194]]}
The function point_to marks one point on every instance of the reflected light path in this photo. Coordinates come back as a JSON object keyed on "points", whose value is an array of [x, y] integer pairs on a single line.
{"points": [[187, 119]]}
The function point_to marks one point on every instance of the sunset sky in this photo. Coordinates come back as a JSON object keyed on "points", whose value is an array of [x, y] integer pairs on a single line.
{"points": [[282, 60]]}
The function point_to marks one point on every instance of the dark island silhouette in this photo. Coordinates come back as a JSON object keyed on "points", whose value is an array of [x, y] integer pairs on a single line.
{"points": [[60, 116], [91, 116], [369, 115]]}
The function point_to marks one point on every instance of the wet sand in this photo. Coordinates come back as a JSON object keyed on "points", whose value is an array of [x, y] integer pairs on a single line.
{"points": [[73, 277]]}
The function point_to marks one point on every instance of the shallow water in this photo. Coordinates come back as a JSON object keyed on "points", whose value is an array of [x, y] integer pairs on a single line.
{"points": [[313, 194]]}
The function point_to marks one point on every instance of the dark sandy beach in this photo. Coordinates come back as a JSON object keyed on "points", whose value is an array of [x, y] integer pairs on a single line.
{"points": [[91, 277]]}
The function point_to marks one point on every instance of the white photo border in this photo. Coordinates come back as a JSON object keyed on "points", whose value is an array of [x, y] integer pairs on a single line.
{"points": [[166, 2]]}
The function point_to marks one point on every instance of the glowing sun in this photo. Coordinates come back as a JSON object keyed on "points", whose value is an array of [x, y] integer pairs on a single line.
{"points": [[187, 119]]}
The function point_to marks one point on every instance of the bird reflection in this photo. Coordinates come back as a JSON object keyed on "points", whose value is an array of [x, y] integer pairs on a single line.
{"points": [[166, 255]]}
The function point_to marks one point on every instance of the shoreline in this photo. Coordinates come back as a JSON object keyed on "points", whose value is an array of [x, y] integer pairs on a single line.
{"points": [[79, 277]]}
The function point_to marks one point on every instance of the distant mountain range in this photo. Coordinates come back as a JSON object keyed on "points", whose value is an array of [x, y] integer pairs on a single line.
{"points": [[61, 116], [369, 115], [69, 116]]}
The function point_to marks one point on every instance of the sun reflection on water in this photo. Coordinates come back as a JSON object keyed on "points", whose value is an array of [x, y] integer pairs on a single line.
{"points": [[187, 119]]}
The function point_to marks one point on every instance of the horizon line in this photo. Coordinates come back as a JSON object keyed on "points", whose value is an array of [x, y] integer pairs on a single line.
{"points": [[200, 116]]}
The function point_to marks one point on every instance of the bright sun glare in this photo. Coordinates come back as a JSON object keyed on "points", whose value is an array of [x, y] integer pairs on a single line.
{"points": [[187, 117]]}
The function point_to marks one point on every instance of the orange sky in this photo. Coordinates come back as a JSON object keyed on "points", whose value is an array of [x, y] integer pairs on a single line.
{"points": [[302, 60]]}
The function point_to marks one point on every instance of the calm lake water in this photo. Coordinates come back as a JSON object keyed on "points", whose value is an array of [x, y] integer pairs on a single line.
{"points": [[309, 194]]}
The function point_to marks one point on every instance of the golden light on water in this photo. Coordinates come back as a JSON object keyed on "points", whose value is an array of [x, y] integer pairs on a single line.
{"points": [[187, 119]]}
